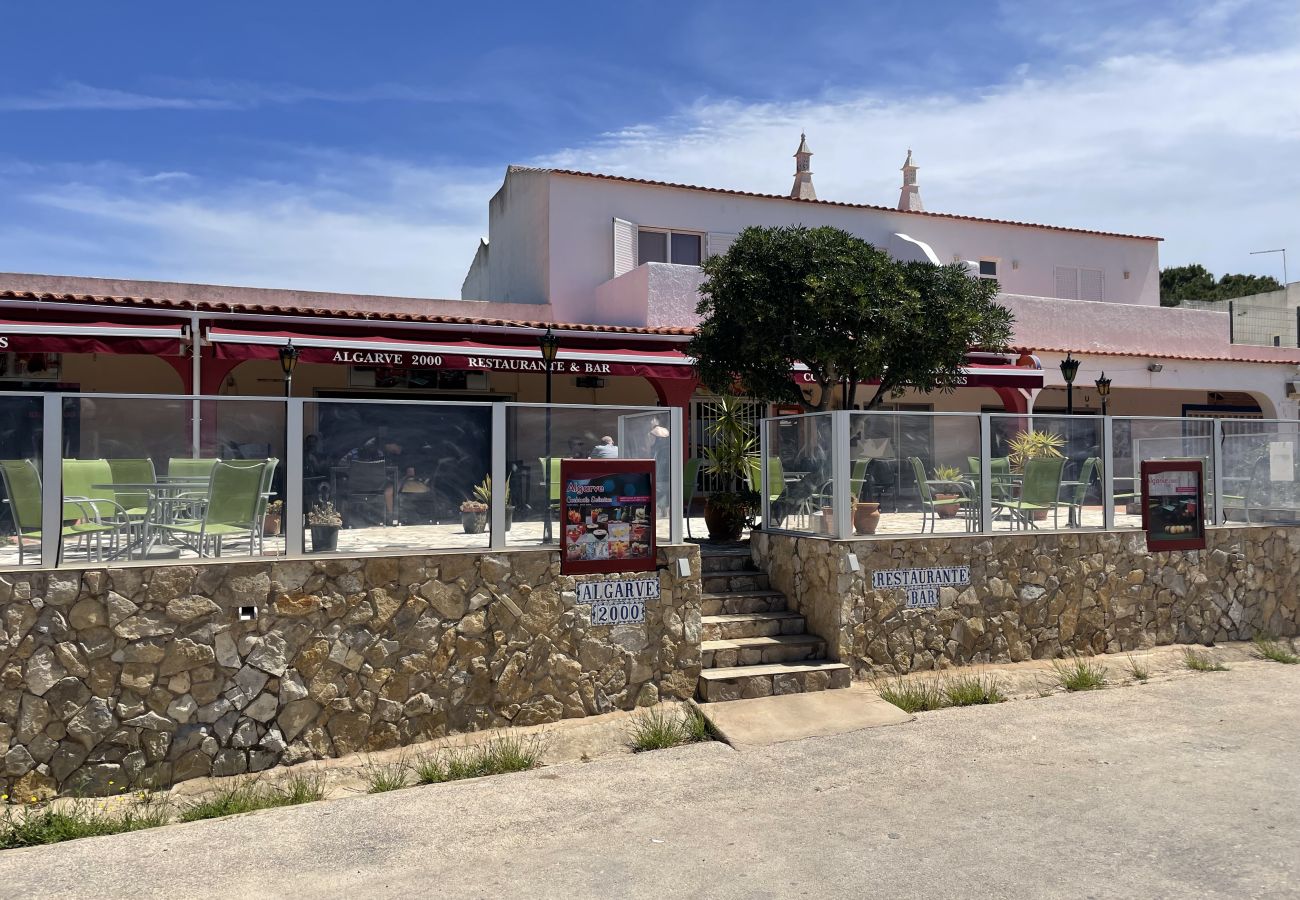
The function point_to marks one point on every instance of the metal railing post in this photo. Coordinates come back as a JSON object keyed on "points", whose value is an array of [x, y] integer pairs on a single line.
{"points": [[51, 480], [841, 474], [1107, 473], [676, 457], [500, 479], [294, 511], [986, 473], [764, 504], [1216, 456]]}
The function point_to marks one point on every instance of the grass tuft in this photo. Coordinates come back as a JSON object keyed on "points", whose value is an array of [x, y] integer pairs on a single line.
{"points": [[1268, 648], [697, 727], [1138, 670], [384, 777], [251, 795], [498, 756], [1201, 662], [78, 819], [972, 690], [919, 695], [658, 728], [1080, 674]]}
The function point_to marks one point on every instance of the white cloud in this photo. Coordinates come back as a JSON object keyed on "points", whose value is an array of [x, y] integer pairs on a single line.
{"points": [[207, 95]]}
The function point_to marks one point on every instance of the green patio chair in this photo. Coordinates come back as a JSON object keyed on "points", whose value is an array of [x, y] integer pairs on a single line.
{"points": [[775, 479], [1076, 493], [929, 505], [133, 471], [93, 510], [23, 497], [1039, 491], [234, 498], [553, 494], [185, 467], [690, 474]]}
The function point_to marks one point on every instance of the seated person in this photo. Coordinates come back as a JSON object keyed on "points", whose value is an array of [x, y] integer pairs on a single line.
{"points": [[606, 449]]}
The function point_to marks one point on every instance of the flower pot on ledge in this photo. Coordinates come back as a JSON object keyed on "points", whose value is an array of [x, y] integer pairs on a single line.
{"points": [[866, 517], [947, 510]]}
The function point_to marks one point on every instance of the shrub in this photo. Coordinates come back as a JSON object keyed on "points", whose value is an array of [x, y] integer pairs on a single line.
{"points": [[1201, 662], [1079, 674], [1267, 648]]}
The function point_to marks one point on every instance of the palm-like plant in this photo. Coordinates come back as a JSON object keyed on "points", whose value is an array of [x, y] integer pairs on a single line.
{"points": [[1027, 445], [728, 459]]}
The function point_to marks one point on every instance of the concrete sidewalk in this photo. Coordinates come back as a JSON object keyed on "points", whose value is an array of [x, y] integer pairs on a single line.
{"points": [[1186, 787]]}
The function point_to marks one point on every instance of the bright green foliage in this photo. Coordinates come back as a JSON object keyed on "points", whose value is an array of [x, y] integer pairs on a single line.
{"points": [[658, 729], [247, 796], [381, 778], [81, 818], [1079, 674], [915, 695], [495, 757], [972, 690], [843, 308]]}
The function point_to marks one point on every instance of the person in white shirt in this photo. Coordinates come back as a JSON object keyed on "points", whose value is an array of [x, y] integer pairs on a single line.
{"points": [[606, 449]]}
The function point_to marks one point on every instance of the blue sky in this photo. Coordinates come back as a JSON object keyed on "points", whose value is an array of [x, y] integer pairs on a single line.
{"points": [[353, 147]]}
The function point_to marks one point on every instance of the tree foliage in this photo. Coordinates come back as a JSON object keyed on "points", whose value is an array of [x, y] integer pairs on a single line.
{"points": [[1195, 282], [844, 309]]}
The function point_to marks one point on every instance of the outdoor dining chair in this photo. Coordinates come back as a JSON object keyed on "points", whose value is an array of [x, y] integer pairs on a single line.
{"points": [[776, 484], [930, 506], [1077, 491], [132, 471], [690, 474], [22, 484], [91, 504], [231, 510], [553, 489], [1039, 492]]}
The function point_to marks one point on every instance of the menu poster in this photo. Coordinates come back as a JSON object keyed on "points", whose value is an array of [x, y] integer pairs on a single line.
{"points": [[1173, 509], [607, 511]]}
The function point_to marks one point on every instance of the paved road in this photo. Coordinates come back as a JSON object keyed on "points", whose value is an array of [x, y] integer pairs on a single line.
{"points": [[1183, 788]]}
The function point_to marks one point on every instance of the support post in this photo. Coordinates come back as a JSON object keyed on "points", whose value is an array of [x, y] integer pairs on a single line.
{"points": [[841, 492], [764, 503], [675, 498], [51, 479], [294, 513], [1216, 456], [500, 478], [196, 386], [1107, 473], [986, 473]]}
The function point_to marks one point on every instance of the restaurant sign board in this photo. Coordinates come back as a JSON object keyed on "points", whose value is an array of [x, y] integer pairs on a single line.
{"points": [[607, 515], [921, 586], [1173, 504]]}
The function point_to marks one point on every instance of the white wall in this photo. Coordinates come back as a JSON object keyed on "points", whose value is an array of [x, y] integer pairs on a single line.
{"points": [[581, 239], [519, 240]]}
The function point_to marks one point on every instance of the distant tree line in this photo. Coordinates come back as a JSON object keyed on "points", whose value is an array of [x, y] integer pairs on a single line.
{"points": [[1195, 282]]}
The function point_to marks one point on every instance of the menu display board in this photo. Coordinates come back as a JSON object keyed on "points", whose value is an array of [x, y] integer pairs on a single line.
{"points": [[607, 511], [1173, 507]]}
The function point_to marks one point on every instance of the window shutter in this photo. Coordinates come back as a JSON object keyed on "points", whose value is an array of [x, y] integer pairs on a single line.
{"points": [[1067, 283], [624, 247], [1091, 284], [719, 242]]}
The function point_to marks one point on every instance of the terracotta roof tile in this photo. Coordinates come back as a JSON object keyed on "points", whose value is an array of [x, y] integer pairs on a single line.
{"points": [[788, 199]]}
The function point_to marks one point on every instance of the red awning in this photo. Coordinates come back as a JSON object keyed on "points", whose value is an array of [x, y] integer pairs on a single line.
{"points": [[30, 336], [451, 352]]}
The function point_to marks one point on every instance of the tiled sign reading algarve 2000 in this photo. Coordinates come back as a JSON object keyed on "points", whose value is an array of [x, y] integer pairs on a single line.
{"points": [[921, 585]]}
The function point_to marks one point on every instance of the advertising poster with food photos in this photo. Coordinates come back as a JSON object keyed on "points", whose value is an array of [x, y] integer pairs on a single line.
{"points": [[607, 512], [1173, 514]]}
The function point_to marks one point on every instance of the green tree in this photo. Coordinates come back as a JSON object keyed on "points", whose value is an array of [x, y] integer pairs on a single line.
{"points": [[1195, 282], [844, 309]]}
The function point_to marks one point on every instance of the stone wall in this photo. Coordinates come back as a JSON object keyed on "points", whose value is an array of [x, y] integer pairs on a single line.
{"points": [[1037, 596], [147, 675]]}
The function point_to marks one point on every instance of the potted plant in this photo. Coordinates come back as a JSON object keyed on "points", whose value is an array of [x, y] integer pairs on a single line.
{"points": [[866, 516], [324, 521], [483, 494], [273, 520], [473, 516], [1027, 445], [729, 509], [949, 474]]}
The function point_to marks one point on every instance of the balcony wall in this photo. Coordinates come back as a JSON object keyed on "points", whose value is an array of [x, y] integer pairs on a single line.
{"points": [[652, 294]]}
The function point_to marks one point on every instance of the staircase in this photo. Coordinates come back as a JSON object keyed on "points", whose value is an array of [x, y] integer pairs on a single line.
{"points": [[752, 645]]}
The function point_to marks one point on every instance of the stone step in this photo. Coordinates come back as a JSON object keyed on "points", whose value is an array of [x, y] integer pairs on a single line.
{"points": [[778, 648], [729, 560], [743, 625], [722, 582], [742, 602], [744, 682]]}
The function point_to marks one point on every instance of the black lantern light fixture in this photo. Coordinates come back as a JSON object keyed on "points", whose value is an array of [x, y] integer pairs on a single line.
{"points": [[288, 360], [549, 344], [1069, 369], [1103, 391]]}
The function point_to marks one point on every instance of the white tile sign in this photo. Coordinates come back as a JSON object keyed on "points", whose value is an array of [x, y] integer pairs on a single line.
{"points": [[618, 602], [921, 586]]}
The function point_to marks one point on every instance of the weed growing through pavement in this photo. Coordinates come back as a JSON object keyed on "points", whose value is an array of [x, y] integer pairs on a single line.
{"points": [[1138, 670], [384, 777], [498, 756], [659, 728], [1268, 648], [972, 690], [917, 695], [80, 818], [250, 795], [1201, 662], [1079, 674]]}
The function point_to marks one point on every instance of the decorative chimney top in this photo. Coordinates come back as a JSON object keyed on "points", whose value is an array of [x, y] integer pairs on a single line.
{"points": [[803, 186], [910, 197]]}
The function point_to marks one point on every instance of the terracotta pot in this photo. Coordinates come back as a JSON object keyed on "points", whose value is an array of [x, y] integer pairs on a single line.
{"points": [[866, 516], [271, 524], [725, 523], [948, 510]]}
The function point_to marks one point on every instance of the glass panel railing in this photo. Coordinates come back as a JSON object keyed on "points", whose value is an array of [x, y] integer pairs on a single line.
{"points": [[21, 432], [920, 470], [538, 438], [1137, 439], [1047, 471], [799, 492], [384, 476], [136, 484], [1261, 478]]}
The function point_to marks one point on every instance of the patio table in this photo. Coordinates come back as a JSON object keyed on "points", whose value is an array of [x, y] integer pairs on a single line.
{"points": [[162, 494]]}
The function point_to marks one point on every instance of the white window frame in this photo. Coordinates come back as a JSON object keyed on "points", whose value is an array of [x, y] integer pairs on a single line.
{"points": [[701, 236], [997, 266]]}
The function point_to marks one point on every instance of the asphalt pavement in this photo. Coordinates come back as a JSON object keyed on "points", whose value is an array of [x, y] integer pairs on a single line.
{"points": [[1177, 788]]}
